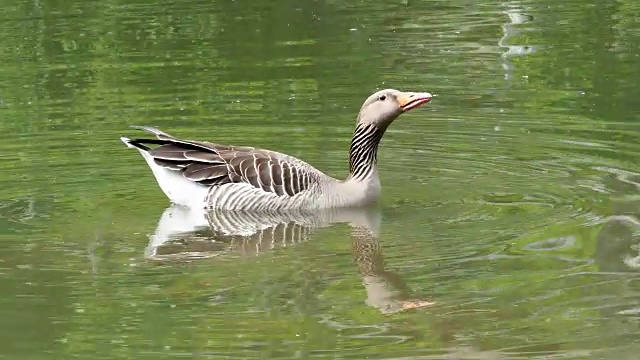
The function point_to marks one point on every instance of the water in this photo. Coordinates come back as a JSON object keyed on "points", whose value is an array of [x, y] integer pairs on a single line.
{"points": [[511, 200]]}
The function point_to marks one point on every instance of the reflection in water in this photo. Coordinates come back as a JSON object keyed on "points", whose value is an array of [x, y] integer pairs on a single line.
{"points": [[474, 194], [184, 233], [618, 242], [516, 13], [16, 212]]}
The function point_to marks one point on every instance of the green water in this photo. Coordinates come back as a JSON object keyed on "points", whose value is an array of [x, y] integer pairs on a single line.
{"points": [[511, 200]]}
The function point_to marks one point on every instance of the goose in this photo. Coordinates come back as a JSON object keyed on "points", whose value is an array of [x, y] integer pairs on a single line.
{"points": [[205, 175]]}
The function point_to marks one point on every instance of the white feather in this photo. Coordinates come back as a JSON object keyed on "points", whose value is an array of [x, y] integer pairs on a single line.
{"points": [[177, 188]]}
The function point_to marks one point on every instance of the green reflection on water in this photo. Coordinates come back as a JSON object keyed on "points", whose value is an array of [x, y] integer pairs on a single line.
{"points": [[511, 201]]}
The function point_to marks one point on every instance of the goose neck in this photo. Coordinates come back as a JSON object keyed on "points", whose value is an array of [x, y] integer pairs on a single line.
{"points": [[363, 152]]}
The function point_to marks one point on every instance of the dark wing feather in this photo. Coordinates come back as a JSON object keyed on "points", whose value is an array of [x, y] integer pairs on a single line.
{"points": [[205, 172], [213, 165]]}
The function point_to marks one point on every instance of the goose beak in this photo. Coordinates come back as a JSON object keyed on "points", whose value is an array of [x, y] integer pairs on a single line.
{"points": [[410, 100]]}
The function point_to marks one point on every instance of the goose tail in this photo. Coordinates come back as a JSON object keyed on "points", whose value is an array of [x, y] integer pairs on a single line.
{"points": [[176, 187], [134, 144]]}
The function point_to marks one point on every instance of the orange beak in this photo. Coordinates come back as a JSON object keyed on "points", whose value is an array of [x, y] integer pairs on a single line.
{"points": [[410, 100]]}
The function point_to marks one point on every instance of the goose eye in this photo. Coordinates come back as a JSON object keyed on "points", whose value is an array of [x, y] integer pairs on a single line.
{"points": [[382, 97]]}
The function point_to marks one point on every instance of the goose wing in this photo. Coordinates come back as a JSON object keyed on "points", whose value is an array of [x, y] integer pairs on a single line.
{"points": [[215, 165]]}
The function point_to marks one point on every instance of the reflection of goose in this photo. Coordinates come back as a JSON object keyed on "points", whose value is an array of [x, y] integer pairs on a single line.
{"points": [[386, 290], [618, 242], [195, 173], [185, 233], [517, 16]]}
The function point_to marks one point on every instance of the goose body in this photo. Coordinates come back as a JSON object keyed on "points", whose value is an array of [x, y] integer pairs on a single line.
{"points": [[214, 176]]}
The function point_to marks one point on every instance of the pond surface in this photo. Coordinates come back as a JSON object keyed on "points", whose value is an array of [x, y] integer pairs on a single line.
{"points": [[511, 201]]}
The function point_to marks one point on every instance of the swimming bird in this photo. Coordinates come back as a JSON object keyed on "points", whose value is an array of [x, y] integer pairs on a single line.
{"points": [[212, 176]]}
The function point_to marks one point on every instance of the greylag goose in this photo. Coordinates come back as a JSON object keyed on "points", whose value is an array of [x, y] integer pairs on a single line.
{"points": [[213, 176]]}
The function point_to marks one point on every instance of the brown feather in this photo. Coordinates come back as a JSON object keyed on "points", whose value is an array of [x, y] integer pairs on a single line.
{"points": [[202, 156], [204, 171], [265, 174], [276, 172], [171, 164], [169, 152], [214, 165], [287, 175]]}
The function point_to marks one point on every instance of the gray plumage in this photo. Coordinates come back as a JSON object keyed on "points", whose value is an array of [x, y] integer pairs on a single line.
{"points": [[197, 173]]}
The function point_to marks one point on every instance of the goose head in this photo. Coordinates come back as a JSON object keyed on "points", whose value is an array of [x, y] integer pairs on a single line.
{"points": [[383, 107]]}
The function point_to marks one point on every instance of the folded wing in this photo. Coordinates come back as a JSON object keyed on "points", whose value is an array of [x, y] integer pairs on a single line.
{"points": [[216, 165]]}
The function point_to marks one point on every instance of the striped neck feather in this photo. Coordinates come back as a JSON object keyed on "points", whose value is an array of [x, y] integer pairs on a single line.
{"points": [[363, 152]]}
